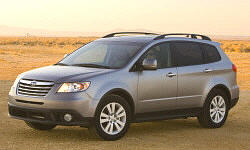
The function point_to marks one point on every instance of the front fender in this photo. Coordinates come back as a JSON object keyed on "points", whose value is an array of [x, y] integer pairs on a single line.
{"points": [[101, 86]]}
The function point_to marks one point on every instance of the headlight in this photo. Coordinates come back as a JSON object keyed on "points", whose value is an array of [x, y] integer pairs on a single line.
{"points": [[74, 87]]}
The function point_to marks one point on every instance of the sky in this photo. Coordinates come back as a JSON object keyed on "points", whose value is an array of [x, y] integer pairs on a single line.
{"points": [[216, 17]]}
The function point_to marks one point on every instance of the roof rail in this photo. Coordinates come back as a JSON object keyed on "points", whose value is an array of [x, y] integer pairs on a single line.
{"points": [[113, 34], [194, 36]]}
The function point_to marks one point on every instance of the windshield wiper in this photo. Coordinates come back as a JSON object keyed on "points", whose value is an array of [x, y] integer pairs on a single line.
{"points": [[61, 64], [92, 66]]}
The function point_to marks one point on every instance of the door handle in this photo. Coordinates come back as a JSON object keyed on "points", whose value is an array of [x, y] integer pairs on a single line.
{"points": [[170, 74], [208, 70]]}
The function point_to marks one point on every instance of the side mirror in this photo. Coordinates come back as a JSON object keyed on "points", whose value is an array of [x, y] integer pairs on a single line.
{"points": [[65, 55], [149, 64]]}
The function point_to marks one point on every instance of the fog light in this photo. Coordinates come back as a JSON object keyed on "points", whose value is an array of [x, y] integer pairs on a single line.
{"points": [[67, 117]]}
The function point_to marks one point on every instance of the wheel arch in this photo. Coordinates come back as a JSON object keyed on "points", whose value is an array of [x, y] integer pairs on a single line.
{"points": [[223, 88], [123, 93]]}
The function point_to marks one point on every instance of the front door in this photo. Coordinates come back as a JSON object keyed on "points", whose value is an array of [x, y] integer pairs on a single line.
{"points": [[157, 89]]}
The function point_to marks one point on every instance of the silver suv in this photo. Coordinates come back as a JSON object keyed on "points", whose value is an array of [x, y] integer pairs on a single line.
{"points": [[129, 77]]}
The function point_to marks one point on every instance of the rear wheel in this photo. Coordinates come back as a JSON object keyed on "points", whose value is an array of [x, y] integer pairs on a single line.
{"points": [[215, 110], [112, 118], [40, 126]]}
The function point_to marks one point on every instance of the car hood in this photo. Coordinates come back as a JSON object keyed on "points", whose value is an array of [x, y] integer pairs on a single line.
{"points": [[59, 74]]}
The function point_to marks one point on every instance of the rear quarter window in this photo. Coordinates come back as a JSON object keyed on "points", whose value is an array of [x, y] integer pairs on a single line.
{"points": [[211, 53]]}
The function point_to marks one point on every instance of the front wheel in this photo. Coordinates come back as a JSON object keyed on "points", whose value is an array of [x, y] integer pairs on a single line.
{"points": [[40, 126], [112, 118], [215, 110]]}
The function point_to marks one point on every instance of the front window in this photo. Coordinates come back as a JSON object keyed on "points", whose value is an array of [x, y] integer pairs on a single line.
{"points": [[102, 54], [162, 53]]}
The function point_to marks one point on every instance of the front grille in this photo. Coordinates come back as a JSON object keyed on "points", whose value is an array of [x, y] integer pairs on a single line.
{"points": [[29, 102], [29, 114], [34, 87]]}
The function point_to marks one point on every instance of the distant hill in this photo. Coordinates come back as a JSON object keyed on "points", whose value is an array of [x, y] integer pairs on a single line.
{"points": [[227, 37], [19, 31]]}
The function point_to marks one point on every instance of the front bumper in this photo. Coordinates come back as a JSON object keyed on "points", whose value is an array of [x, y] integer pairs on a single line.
{"points": [[48, 116], [80, 102]]}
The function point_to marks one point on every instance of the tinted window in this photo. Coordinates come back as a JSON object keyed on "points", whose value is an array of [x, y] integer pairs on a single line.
{"points": [[188, 54], [162, 54], [211, 53]]}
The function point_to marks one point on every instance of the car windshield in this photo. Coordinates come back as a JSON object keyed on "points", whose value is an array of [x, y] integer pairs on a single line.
{"points": [[102, 55]]}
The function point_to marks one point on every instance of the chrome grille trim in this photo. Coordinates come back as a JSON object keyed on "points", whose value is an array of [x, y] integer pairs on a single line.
{"points": [[32, 90], [30, 87], [40, 83], [37, 87]]}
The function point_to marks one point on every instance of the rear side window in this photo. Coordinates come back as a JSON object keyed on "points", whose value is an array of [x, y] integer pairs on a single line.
{"points": [[188, 53], [211, 53]]}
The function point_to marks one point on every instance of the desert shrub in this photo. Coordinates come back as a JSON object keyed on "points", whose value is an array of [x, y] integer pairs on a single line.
{"points": [[13, 43], [246, 50], [74, 42], [61, 43], [45, 41]]}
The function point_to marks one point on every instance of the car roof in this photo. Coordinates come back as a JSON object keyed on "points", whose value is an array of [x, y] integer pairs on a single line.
{"points": [[136, 39], [191, 40], [144, 39]]}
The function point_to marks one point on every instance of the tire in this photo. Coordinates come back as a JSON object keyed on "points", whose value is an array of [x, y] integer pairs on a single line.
{"points": [[111, 123], [39, 126], [214, 115]]}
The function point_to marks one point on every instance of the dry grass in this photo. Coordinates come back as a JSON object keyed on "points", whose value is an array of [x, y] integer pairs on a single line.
{"points": [[242, 61], [45, 41], [61, 42], [235, 46], [24, 53]]}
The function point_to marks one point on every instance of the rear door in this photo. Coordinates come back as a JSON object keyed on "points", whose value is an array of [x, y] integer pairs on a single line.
{"points": [[192, 74]]}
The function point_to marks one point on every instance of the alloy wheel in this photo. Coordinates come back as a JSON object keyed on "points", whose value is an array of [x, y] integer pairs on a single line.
{"points": [[217, 109], [113, 118]]}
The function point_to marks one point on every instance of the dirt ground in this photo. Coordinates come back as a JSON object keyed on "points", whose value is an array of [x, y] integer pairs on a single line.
{"points": [[171, 134]]}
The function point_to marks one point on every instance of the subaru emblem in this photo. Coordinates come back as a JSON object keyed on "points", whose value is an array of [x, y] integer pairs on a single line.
{"points": [[33, 83]]}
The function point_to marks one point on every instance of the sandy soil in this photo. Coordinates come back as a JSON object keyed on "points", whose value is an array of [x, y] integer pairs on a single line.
{"points": [[171, 134]]}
